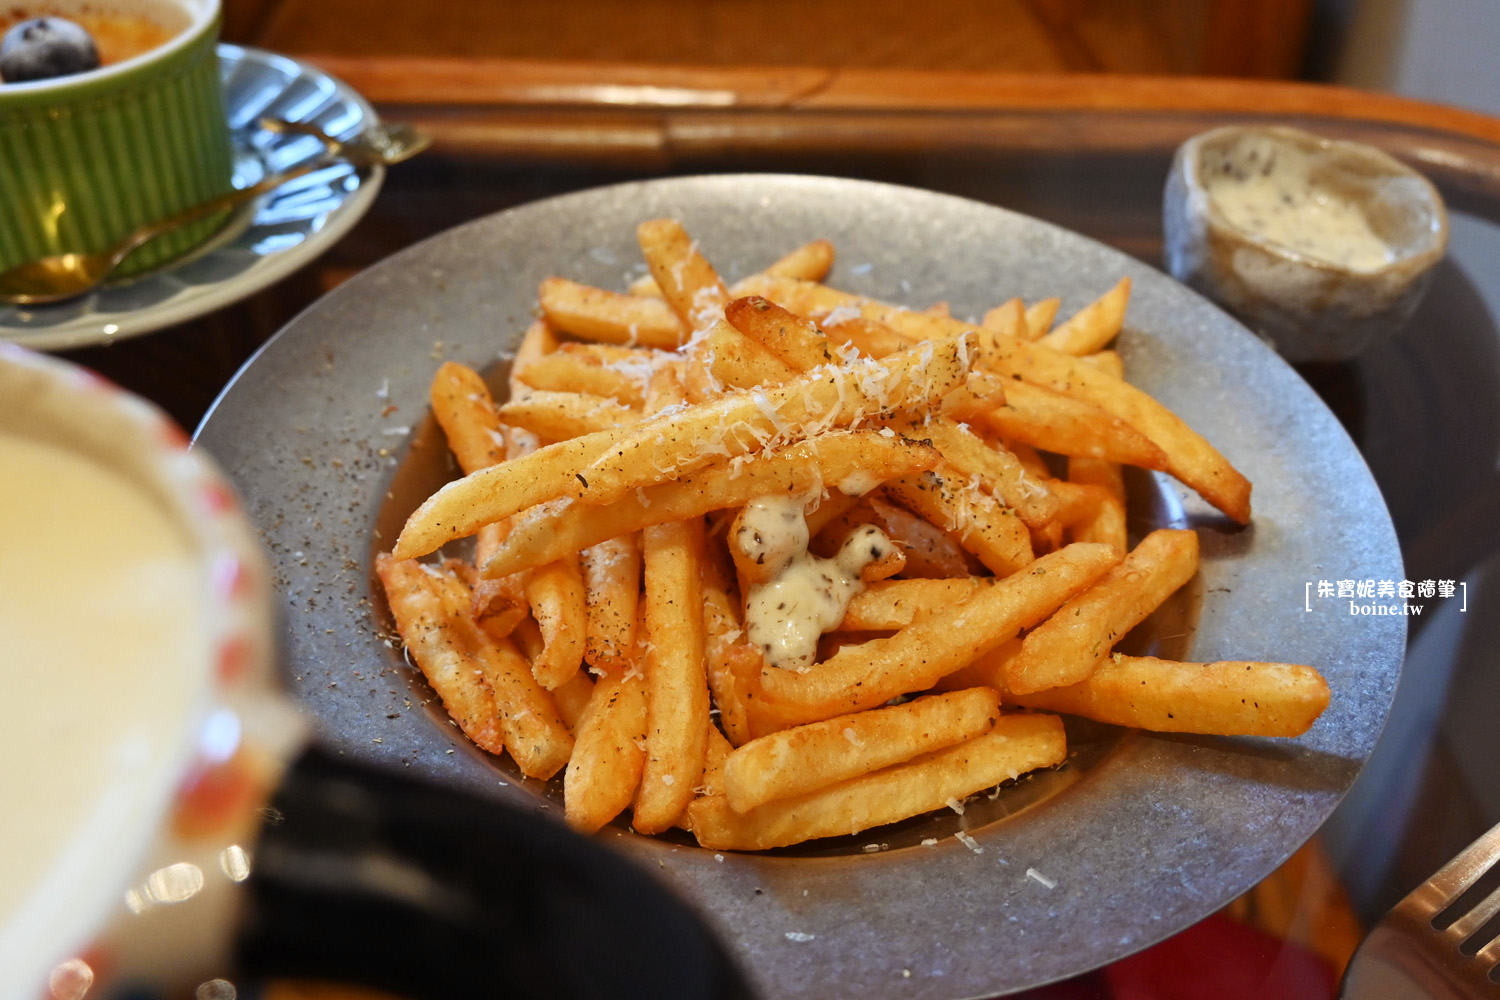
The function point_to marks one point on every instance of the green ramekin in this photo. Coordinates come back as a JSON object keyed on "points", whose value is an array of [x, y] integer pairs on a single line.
{"points": [[85, 159]]}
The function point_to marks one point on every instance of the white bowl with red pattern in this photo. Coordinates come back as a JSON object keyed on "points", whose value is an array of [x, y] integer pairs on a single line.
{"points": [[148, 900]]}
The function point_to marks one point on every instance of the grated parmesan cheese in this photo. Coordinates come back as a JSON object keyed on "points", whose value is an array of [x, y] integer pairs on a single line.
{"points": [[955, 805], [969, 842], [799, 937], [1037, 876]]}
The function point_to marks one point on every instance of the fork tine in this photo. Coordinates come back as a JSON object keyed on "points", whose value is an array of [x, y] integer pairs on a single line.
{"points": [[1470, 922]]}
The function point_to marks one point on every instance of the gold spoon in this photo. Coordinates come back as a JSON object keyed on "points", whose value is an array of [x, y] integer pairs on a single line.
{"points": [[68, 275]]}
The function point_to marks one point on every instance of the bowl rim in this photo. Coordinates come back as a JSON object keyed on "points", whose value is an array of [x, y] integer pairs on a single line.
{"points": [[203, 20], [235, 642], [1429, 250]]}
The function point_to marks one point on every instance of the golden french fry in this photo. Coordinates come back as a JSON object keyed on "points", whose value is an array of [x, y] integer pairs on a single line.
{"points": [[1228, 698], [1107, 522], [688, 282], [810, 262], [610, 750], [1034, 464], [527, 636], [538, 341], [677, 700], [612, 588], [895, 604], [999, 472], [791, 338], [556, 594], [1017, 744], [465, 505], [820, 400], [1106, 361], [733, 663], [1039, 317], [528, 721], [1094, 325], [1054, 422], [796, 761], [554, 529], [913, 659], [558, 416], [716, 752], [992, 532], [1008, 317], [572, 698], [582, 368], [830, 508], [1067, 647], [439, 649], [735, 361], [873, 339], [462, 405], [609, 317]]}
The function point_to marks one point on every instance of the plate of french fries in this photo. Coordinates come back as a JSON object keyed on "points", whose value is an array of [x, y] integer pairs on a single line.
{"points": [[878, 567]]}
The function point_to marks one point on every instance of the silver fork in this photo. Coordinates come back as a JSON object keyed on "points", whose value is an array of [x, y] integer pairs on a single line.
{"points": [[1405, 956]]}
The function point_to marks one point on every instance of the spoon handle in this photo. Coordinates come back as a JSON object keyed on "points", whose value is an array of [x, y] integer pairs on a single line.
{"points": [[203, 210]]}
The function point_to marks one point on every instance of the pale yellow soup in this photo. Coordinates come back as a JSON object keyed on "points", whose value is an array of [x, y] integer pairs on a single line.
{"points": [[102, 652]]}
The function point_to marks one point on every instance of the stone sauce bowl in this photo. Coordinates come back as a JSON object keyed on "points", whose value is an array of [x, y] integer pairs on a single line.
{"points": [[1309, 308]]}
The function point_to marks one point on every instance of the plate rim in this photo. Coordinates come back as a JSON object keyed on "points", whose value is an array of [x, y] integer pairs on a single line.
{"points": [[87, 330], [1381, 522]]}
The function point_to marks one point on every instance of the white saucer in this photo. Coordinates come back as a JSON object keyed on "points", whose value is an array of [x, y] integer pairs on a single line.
{"points": [[265, 242]]}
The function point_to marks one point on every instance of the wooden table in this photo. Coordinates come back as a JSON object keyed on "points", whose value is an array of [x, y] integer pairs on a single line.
{"points": [[1087, 152]]}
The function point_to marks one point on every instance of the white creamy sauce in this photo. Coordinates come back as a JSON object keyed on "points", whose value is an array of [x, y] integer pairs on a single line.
{"points": [[101, 657], [1271, 190], [806, 595]]}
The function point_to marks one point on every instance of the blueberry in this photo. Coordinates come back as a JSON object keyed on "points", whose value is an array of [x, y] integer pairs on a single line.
{"points": [[44, 47]]}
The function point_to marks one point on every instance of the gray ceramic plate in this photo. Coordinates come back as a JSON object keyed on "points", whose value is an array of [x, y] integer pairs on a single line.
{"points": [[327, 435], [263, 243]]}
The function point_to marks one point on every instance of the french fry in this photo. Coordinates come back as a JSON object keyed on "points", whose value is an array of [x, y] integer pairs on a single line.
{"points": [[688, 282], [582, 368], [914, 658], [439, 649], [1017, 744], [993, 533], [895, 604], [873, 339], [820, 400], [1228, 698], [1109, 362], [1002, 318], [677, 700], [558, 416], [612, 588], [528, 637], [572, 698], [733, 663], [1034, 464], [1000, 473], [796, 761], [1067, 647], [1039, 317], [531, 729], [537, 342], [462, 405], [736, 361], [829, 509], [608, 317], [556, 594], [795, 340], [609, 753], [809, 262], [716, 753], [1094, 325], [1007, 320], [1107, 521], [1054, 422], [554, 529]]}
